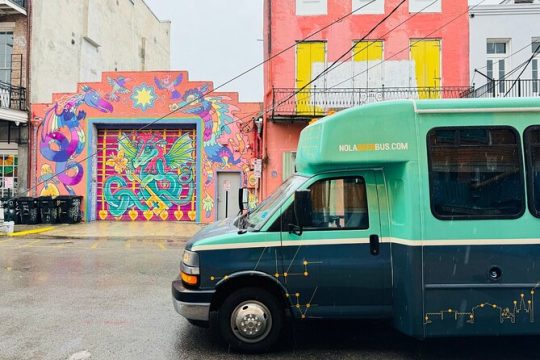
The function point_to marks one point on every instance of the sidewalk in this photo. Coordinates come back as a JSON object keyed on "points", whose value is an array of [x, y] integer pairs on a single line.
{"points": [[110, 230]]}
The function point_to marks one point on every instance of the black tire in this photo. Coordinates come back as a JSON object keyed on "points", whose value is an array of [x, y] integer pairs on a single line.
{"points": [[246, 300]]}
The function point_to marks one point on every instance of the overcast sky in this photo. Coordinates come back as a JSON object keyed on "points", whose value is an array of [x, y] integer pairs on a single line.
{"points": [[217, 40]]}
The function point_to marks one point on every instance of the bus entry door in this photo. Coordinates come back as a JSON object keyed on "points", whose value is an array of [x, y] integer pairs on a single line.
{"points": [[340, 262]]}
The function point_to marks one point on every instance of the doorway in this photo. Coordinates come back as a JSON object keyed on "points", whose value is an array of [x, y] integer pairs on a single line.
{"points": [[227, 194]]}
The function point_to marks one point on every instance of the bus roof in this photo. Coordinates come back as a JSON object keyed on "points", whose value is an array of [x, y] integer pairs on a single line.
{"points": [[385, 132]]}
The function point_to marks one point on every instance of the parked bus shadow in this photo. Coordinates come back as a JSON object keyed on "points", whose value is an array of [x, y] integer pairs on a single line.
{"points": [[363, 340], [378, 340]]}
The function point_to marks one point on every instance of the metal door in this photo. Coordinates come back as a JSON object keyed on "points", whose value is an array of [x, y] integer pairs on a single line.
{"points": [[228, 186]]}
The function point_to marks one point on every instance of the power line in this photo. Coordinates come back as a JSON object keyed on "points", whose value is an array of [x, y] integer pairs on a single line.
{"points": [[353, 48], [521, 73], [296, 92], [408, 47], [73, 164], [333, 65], [509, 56]]}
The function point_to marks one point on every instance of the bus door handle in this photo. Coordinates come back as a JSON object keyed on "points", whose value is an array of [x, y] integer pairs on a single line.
{"points": [[374, 244]]}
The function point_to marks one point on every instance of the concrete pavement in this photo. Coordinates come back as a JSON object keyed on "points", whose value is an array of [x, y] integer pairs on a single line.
{"points": [[107, 301]]}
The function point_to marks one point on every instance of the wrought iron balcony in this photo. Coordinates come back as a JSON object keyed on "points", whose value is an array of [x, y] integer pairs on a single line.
{"points": [[12, 7], [507, 88], [289, 104], [12, 97]]}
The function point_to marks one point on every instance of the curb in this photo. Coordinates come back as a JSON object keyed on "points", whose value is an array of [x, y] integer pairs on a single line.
{"points": [[112, 238], [31, 232]]}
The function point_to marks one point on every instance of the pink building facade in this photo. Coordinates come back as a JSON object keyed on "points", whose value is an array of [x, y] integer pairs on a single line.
{"points": [[420, 51]]}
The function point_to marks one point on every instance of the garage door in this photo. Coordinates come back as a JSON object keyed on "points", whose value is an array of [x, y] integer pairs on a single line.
{"points": [[146, 175]]}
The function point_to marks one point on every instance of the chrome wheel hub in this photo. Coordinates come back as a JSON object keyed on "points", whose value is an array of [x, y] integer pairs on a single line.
{"points": [[251, 321]]}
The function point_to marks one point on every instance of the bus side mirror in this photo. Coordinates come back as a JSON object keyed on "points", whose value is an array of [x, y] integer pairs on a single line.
{"points": [[303, 211], [243, 199]]}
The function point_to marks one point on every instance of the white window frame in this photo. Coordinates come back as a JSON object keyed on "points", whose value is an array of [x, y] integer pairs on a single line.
{"points": [[417, 6], [535, 66], [289, 164], [495, 58], [311, 7], [376, 7]]}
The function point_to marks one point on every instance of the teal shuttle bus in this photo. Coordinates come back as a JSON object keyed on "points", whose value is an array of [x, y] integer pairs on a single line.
{"points": [[426, 213]]}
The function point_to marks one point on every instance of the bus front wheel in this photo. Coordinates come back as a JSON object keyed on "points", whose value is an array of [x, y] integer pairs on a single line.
{"points": [[251, 320]]}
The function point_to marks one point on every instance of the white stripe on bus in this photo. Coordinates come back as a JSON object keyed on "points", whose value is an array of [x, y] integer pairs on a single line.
{"points": [[351, 241]]}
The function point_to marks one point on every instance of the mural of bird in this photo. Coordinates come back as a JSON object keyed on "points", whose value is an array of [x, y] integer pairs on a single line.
{"points": [[170, 85], [118, 87]]}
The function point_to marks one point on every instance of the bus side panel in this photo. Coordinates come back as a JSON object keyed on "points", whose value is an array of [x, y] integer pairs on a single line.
{"points": [[463, 296], [407, 279]]}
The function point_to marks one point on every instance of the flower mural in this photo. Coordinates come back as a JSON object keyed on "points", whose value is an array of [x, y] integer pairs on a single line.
{"points": [[118, 161]]}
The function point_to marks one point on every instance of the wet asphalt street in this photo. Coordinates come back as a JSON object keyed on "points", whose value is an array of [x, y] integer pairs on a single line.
{"points": [[84, 299]]}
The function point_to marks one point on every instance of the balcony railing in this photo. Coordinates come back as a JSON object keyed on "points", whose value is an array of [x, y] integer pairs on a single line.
{"points": [[312, 103], [12, 97], [507, 88]]}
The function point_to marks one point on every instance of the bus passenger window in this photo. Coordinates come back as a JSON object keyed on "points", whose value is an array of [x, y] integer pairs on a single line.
{"points": [[340, 204], [532, 148], [475, 173]]}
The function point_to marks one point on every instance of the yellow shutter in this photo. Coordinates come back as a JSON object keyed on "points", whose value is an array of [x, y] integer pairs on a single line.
{"points": [[368, 51], [307, 53], [426, 55]]}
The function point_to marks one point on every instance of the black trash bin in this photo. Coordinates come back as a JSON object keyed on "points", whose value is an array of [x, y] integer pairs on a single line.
{"points": [[28, 210], [11, 212], [69, 208], [3, 205], [47, 209]]}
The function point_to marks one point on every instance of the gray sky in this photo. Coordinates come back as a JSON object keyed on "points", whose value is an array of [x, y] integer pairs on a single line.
{"points": [[217, 40]]}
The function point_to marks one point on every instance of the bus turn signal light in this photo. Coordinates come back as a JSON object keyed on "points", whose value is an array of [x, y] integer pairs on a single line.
{"points": [[191, 280]]}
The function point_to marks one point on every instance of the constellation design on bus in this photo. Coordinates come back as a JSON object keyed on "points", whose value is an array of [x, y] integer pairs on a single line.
{"points": [[277, 274], [524, 304], [302, 308], [294, 298], [305, 263]]}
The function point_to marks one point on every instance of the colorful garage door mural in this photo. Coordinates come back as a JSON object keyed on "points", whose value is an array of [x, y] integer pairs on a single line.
{"points": [[146, 175], [144, 146]]}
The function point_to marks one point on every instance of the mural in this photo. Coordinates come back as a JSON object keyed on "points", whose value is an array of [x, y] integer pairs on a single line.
{"points": [[170, 85], [118, 86], [62, 138], [154, 155], [219, 146]]}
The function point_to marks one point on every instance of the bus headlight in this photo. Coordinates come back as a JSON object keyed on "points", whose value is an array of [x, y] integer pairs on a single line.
{"points": [[189, 269]]}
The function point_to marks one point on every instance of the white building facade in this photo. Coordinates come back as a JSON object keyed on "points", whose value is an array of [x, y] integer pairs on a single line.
{"points": [[14, 49], [75, 41], [505, 48]]}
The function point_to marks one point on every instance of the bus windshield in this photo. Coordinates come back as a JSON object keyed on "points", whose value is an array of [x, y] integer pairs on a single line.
{"points": [[259, 215]]}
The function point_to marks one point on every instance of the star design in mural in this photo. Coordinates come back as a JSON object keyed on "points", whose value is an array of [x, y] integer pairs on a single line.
{"points": [[143, 97]]}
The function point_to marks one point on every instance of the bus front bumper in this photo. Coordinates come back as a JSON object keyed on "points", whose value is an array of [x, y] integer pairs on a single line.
{"points": [[191, 304]]}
